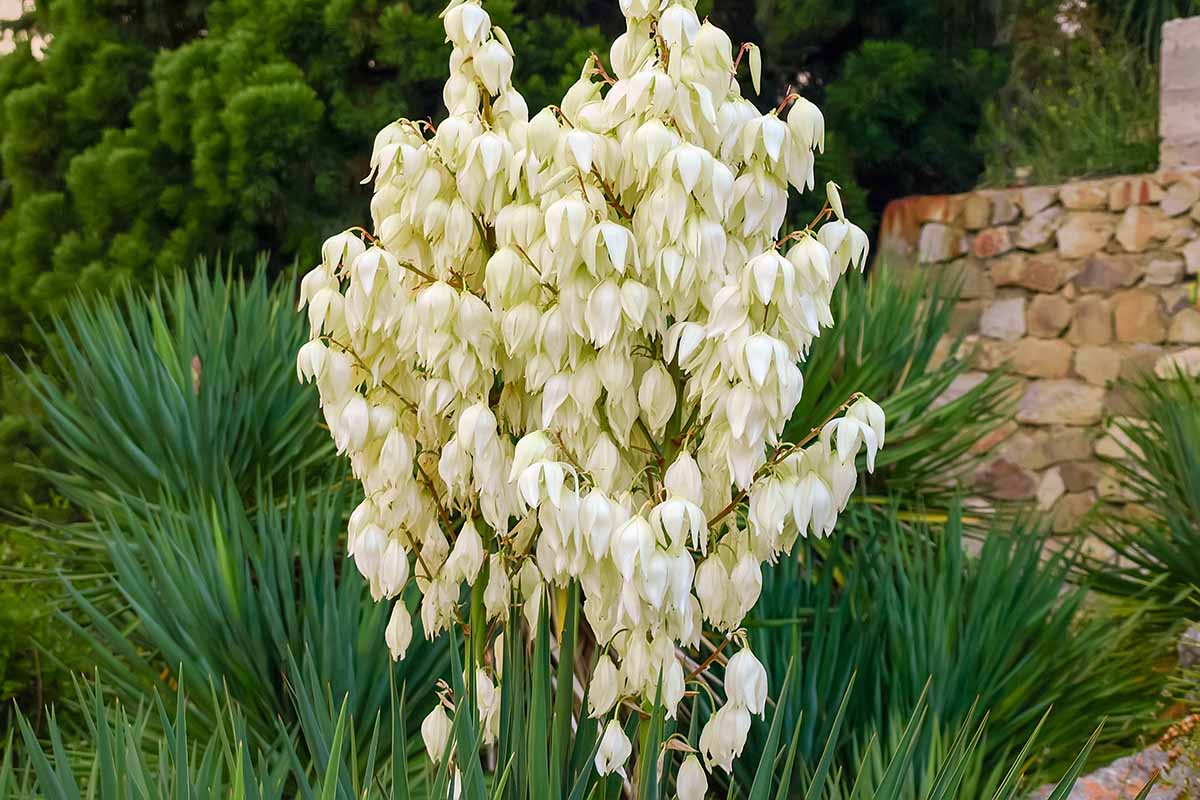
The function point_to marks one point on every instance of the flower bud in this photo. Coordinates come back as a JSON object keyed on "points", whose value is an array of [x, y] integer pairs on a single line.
{"points": [[807, 124], [603, 688], [393, 569], [496, 594], [683, 478], [368, 550], [435, 731], [691, 783], [712, 589], [399, 631], [467, 557], [656, 397]]}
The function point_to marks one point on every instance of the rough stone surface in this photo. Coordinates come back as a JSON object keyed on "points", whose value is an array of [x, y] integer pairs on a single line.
{"points": [[977, 212], [1071, 509], [1105, 272], [1164, 271], [940, 243], [1191, 257], [1096, 364], [1127, 192], [1050, 489], [1040, 229], [992, 242], [1083, 233], [1084, 195], [991, 354], [1185, 361], [1004, 319], [1092, 322], [964, 318], [1048, 315], [1189, 648], [1140, 226], [994, 439], [1185, 327], [1176, 298], [1004, 480], [971, 276], [1138, 317], [1115, 443], [1138, 362], [1044, 272], [1042, 358], [1180, 197], [1079, 476], [1061, 402], [1068, 444], [1125, 777], [1004, 209], [1036, 198], [960, 386]]}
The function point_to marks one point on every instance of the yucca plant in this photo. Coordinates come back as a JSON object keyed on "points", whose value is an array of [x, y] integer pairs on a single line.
{"points": [[150, 751], [184, 386], [903, 605], [1158, 475], [211, 530], [230, 592]]}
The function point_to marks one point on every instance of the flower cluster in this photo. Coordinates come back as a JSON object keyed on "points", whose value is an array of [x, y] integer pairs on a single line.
{"points": [[569, 346]]}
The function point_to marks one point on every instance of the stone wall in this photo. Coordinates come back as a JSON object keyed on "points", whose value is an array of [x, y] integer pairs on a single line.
{"points": [[1069, 287]]}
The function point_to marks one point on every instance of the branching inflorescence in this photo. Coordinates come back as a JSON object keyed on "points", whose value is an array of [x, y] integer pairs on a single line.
{"points": [[568, 350]]}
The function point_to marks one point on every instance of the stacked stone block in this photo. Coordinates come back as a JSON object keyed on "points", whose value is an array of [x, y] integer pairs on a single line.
{"points": [[1069, 288]]}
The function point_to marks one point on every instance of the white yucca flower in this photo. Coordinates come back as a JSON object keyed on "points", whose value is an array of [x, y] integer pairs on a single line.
{"points": [[567, 350]]}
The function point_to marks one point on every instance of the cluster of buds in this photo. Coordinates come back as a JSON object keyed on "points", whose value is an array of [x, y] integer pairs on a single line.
{"points": [[569, 346]]}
